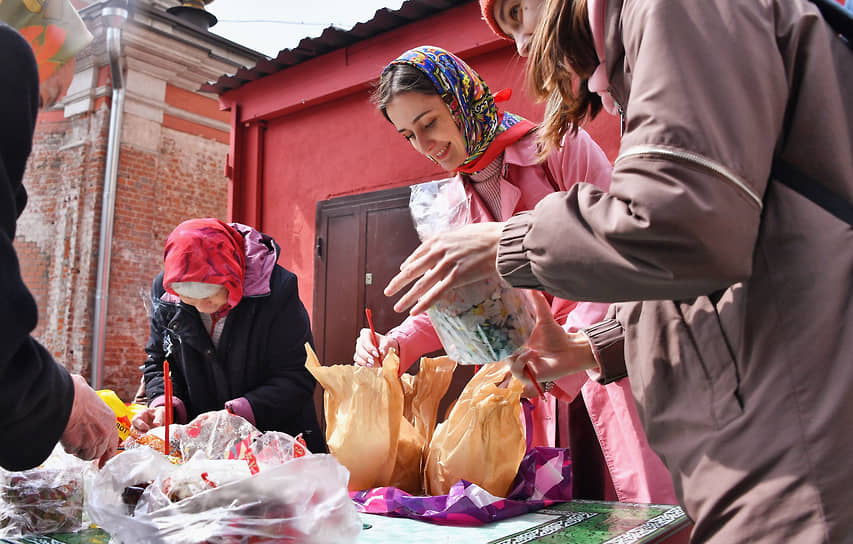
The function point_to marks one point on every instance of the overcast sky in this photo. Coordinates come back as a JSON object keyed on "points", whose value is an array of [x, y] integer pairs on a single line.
{"points": [[268, 26]]}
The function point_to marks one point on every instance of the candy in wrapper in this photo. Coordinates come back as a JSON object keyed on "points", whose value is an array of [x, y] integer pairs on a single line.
{"points": [[45, 499]]}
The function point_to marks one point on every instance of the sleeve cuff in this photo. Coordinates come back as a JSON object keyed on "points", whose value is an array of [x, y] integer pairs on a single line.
{"points": [[406, 358], [607, 342], [512, 262], [415, 336], [179, 410], [241, 407]]}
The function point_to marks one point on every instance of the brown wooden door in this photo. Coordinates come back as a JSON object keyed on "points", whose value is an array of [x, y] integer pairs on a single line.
{"points": [[361, 242]]}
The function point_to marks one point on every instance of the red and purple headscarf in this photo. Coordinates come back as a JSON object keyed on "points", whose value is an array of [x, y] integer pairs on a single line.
{"points": [[486, 129], [206, 251]]}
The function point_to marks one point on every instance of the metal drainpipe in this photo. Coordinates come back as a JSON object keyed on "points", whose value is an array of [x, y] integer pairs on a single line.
{"points": [[114, 17]]}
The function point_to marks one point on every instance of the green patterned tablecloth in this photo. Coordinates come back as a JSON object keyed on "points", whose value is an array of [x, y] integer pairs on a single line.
{"points": [[90, 536], [575, 522]]}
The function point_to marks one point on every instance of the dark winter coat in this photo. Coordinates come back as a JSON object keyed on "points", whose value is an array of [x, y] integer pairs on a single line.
{"points": [[36, 393]]}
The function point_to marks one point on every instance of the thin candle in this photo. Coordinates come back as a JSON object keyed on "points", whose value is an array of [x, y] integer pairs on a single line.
{"points": [[167, 393], [532, 378], [372, 330]]}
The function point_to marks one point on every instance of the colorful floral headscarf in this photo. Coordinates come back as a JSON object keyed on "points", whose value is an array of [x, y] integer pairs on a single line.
{"points": [[470, 102], [206, 251]]}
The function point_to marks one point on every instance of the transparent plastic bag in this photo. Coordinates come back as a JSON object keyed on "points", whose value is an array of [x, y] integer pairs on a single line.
{"points": [[439, 205], [478, 323], [482, 322], [210, 434], [45, 499], [256, 488]]}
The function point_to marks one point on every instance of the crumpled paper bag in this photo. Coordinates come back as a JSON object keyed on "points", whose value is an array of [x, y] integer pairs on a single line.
{"points": [[482, 439], [373, 415]]}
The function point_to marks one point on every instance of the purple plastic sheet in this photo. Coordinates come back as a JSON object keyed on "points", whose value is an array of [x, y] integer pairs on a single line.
{"points": [[544, 478]]}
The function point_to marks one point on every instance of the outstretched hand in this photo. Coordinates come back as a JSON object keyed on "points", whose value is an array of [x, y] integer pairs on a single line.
{"points": [[551, 352], [445, 261], [91, 431]]}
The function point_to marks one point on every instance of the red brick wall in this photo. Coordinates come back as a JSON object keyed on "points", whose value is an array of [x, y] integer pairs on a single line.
{"points": [[55, 233], [155, 192], [58, 233]]}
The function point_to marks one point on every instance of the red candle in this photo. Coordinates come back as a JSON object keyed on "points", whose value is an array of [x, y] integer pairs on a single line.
{"points": [[167, 393], [372, 330], [532, 377]]}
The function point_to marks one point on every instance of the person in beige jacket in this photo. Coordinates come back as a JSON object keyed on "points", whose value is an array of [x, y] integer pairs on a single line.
{"points": [[739, 339]]}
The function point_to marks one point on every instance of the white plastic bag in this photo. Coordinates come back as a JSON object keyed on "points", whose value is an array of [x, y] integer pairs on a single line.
{"points": [[300, 499], [477, 323]]}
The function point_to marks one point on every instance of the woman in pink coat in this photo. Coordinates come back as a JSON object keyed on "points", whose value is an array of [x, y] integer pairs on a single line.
{"points": [[446, 111]]}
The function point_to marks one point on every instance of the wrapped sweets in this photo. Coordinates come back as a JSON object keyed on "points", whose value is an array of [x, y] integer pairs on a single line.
{"points": [[41, 501], [483, 322], [45, 499]]}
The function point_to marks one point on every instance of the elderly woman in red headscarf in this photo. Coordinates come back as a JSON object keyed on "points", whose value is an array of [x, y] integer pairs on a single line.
{"points": [[231, 324]]}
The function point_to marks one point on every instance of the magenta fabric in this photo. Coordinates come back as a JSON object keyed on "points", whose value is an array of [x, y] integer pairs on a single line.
{"points": [[241, 407], [544, 478], [261, 256]]}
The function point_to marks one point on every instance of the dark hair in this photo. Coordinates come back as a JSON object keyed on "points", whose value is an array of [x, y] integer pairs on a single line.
{"points": [[562, 58], [398, 79]]}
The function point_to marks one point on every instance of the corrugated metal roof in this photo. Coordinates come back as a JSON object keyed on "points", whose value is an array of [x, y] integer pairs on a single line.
{"points": [[331, 39]]}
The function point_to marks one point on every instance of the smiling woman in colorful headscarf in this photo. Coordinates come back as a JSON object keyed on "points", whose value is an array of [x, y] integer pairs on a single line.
{"points": [[230, 322], [447, 112]]}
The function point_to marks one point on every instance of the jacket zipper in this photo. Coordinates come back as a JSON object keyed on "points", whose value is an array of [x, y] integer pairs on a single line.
{"points": [[695, 159], [621, 113]]}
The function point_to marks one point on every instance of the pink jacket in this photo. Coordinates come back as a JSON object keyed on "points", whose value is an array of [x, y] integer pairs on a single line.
{"points": [[637, 473]]}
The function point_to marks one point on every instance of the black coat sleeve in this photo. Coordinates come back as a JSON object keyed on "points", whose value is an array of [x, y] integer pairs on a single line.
{"points": [[287, 392], [159, 318], [37, 393]]}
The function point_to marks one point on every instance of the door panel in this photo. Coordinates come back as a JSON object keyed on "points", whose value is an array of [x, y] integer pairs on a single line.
{"points": [[391, 237], [376, 236], [342, 300], [370, 233]]}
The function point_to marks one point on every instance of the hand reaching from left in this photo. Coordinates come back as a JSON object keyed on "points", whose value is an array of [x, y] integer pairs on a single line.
{"points": [[91, 431]]}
